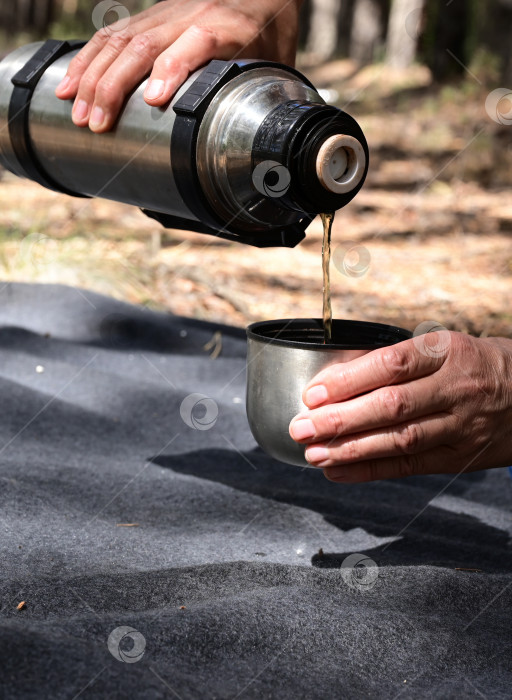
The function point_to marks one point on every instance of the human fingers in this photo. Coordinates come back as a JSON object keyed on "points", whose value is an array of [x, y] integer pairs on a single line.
{"points": [[104, 87], [396, 441], [113, 74], [388, 406], [390, 365], [195, 47], [109, 40], [440, 460], [115, 71]]}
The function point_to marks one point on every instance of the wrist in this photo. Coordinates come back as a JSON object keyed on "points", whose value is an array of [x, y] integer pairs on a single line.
{"points": [[501, 359]]}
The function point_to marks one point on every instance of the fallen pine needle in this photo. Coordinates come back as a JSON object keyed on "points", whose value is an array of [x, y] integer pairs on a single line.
{"points": [[127, 524], [215, 344]]}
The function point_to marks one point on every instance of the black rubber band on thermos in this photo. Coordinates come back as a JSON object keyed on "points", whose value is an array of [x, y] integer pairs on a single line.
{"points": [[25, 82]]}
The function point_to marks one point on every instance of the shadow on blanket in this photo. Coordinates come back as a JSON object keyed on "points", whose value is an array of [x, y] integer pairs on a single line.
{"points": [[430, 535]]}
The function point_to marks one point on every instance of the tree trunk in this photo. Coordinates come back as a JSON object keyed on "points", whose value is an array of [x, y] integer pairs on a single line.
{"points": [[405, 23], [42, 15], [323, 34], [345, 27], [27, 15], [447, 30], [367, 32], [498, 39]]}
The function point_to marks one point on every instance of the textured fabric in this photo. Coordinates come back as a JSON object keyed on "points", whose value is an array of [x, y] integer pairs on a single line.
{"points": [[232, 576]]}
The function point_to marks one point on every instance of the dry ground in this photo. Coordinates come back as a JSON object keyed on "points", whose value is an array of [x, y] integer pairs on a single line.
{"points": [[434, 223]]}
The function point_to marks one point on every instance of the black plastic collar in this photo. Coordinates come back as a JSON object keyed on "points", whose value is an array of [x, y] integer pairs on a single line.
{"points": [[292, 134], [190, 109], [25, 82]]}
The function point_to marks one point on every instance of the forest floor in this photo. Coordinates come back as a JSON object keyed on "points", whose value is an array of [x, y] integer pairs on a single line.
{"points": [[428, 238]]}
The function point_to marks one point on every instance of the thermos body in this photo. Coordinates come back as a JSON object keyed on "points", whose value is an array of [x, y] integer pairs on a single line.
{"points": [[130, 164], [246, 150]]}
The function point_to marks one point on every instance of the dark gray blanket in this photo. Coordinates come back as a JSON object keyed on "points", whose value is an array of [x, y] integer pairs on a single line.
{"points": [[233, 577]]}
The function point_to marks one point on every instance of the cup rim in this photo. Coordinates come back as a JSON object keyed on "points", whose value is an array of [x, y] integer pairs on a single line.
{"points": [[385, 334]]}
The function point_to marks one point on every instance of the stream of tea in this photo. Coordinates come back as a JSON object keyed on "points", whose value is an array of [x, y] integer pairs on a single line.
{"points": [[327, 220]]}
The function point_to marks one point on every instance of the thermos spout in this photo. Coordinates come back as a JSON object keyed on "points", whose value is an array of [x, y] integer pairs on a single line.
{"points": [[340, 163]]}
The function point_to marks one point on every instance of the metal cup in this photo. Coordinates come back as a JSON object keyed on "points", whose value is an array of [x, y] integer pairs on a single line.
{"points": [[283, 356]]}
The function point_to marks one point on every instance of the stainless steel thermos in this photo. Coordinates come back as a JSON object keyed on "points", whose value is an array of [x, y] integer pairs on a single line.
{"points": [[246, 150]]}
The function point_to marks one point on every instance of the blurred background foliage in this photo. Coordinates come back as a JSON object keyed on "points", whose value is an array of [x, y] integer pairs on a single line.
{"points": [[445, 36]]}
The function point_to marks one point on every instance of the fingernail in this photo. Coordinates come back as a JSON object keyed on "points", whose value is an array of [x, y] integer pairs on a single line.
{"points": [[154, 89], [316, 395], [302, 429], [80, 110], [317, 455], [97, 117], [64, 83]]}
